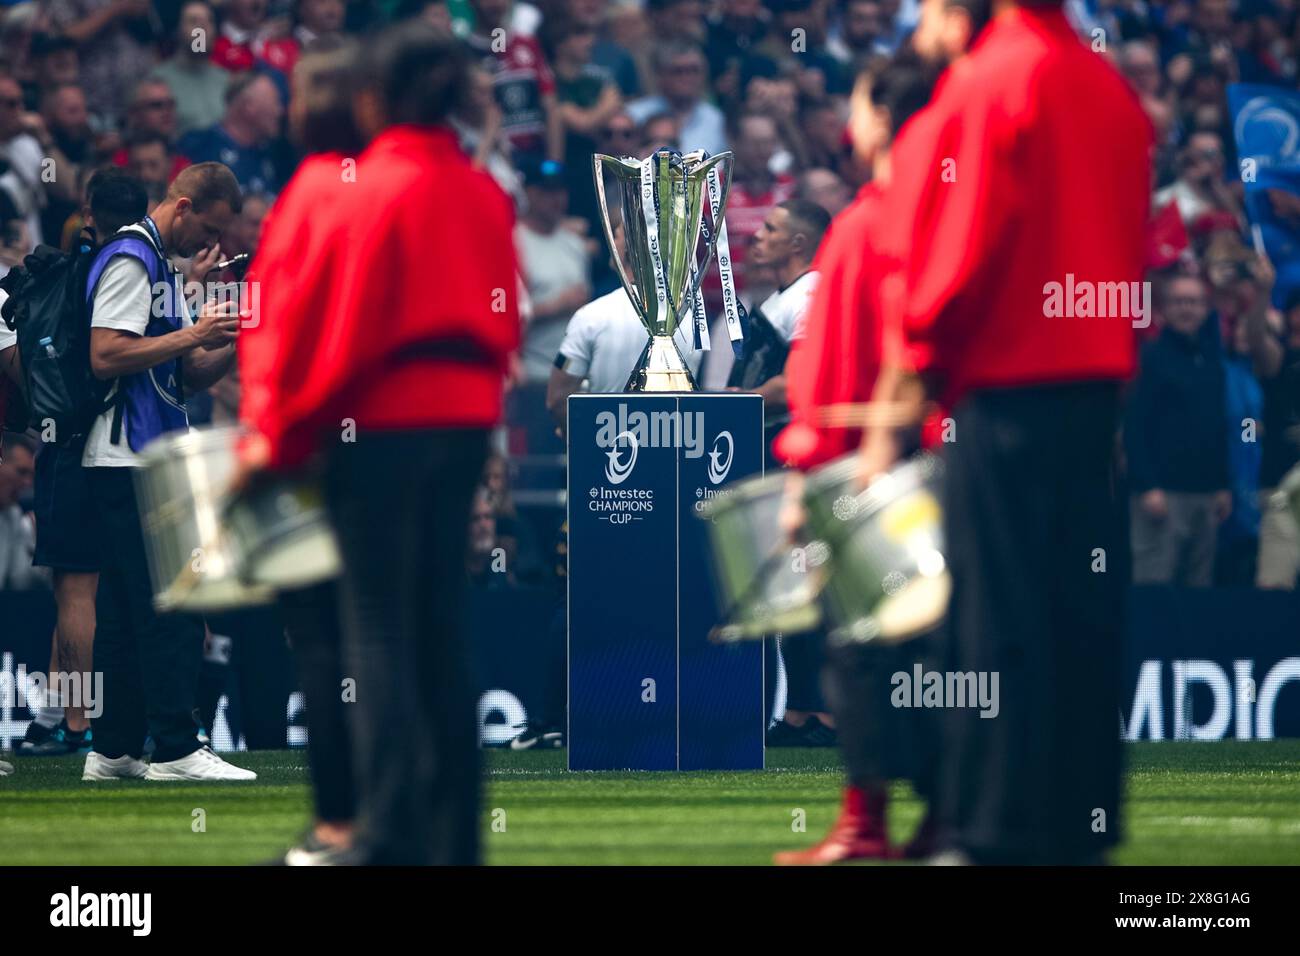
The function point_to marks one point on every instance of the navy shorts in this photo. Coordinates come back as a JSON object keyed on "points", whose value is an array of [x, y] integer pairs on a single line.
{"points": [[66, 528]]}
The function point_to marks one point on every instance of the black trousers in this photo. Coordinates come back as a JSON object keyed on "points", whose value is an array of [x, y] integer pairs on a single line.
{"points": [[400, 504], [311, 621], [878, 741], [1031, 514], [150, 661]]}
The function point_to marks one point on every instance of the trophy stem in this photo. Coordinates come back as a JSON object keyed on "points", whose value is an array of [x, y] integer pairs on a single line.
{"points": [[661, 368]]}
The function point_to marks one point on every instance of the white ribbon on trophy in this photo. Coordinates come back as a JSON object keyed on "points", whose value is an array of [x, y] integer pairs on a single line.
{"points": [[650, 207], [730, 305]]}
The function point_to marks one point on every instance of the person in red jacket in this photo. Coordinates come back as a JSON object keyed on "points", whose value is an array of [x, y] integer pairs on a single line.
{"points": [[1034, 177], [297, 242], [391, 373], [851, 331]]}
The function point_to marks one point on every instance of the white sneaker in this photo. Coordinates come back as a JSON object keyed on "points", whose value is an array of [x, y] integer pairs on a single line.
{"points": [[6, 769], [126, 767], [203, 764]]}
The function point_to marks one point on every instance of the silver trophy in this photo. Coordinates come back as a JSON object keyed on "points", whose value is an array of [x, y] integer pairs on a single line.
{"points": [[669, 200]]}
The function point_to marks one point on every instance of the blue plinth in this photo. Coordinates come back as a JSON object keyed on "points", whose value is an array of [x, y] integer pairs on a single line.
{"points": [[647, 691]]}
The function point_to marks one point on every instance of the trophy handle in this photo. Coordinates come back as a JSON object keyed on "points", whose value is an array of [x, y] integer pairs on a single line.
{"points": [[726, 160], [598, 163]]}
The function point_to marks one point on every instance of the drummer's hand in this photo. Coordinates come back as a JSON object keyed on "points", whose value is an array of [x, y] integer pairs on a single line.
{"points": [[251, 459], [217, 324], [880, 451], [792, 516]]}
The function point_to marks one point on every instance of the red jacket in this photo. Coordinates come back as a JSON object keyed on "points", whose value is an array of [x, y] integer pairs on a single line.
{"points": [[839, 356], [1032, 172], [404, 308]]}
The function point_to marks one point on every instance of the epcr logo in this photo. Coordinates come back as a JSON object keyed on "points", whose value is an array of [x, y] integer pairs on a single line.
{"points": [[615, 470], [717, 469]]}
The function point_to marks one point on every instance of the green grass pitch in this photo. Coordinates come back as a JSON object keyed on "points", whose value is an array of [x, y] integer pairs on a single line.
{"points": [[1188, 803]]}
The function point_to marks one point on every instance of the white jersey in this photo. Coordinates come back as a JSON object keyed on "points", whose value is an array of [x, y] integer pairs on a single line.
{"points": [[7, 338], [605, 338], [787, 309]]}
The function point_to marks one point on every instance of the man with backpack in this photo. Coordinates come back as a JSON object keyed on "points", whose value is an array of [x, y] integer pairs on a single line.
{"points": [[65, 542], [149, 347]]}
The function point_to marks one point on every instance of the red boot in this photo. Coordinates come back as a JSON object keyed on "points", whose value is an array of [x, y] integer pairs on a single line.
{"points": [[858, 834]]}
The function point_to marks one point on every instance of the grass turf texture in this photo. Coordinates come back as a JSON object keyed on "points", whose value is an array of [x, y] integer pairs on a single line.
{"points": [[1229, 802]]}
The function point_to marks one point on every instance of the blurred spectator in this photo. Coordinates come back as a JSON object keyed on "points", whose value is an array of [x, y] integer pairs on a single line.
{"points": [[17, 529], [1239, 535], [115, 40], [63, 110], [487, 562], [54, 62], [150, 160], [754, 192], [479, 126], [681, 77], [556, 263], [765, 90], [244, 138], [678, 20], [1279, 372], [660, 131], [617, 61], [522, 81], [198, 85], [586, 98], [1174, 436], [822, 133], [248, 38], [798, 39], [315, 18], [619, 136], [824, 188], [733, 36], [23, 156], [862, 32], [1199, 189]]}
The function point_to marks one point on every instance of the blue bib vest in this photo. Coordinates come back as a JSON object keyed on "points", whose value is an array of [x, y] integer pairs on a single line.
{"points": [[153, 400]]}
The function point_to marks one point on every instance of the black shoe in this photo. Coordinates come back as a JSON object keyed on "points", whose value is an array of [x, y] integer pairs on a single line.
{"points": [[812, 733], [53, 741], [538, 737]]}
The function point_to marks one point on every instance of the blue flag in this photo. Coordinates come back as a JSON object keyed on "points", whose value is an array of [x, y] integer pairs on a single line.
{"points": [[1266, 127]]}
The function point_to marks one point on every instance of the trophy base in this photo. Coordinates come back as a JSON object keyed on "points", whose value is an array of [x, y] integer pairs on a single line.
{"points": [[661, 368]]}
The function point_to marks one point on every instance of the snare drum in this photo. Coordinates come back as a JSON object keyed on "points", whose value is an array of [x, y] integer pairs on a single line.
{"points": [[889, 581], [181, 486], [765, 586], [278, 536]]}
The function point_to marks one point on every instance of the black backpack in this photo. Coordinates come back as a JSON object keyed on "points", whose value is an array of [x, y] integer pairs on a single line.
{"points": [[47, 307]]}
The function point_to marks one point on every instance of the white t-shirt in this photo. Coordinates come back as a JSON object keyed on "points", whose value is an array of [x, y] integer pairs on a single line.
{"points": [[23, 182], [787, 309], [123, 300], [550, 263], [605, 338], [7, 338]]}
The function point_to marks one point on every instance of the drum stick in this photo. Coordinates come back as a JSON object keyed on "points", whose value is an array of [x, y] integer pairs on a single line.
{"points": [[867, 414]]}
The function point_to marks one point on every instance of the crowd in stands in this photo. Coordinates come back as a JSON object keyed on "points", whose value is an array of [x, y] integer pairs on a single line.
{"points": [[1214, 414]]}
